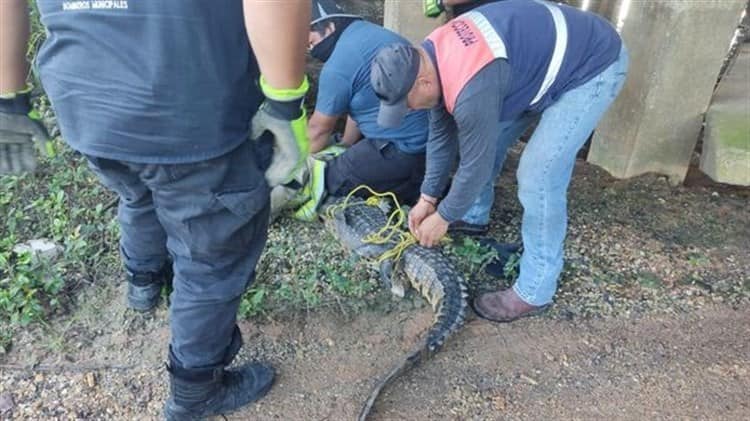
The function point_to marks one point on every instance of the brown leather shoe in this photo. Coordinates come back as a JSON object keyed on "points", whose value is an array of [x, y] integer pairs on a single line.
{"points": [[504, 306]]}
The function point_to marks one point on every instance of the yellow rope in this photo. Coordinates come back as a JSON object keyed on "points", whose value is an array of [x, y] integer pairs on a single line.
{"points": [[391, 229]]}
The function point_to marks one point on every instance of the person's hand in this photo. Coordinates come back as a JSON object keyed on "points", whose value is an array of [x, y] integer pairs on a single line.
{"points": [[283, 115], [432, 230], [432, 8], [425, 207], [19, 129]]}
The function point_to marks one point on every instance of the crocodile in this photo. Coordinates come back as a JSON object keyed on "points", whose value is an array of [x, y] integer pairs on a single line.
{"points": [[427, 270]]}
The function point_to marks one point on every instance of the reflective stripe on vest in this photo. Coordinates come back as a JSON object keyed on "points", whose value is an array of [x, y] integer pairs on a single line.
{"points": [[561, 45], [463, 47], [461, 54], [496, 44]]}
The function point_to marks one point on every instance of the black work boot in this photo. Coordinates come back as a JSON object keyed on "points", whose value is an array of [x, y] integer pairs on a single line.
{"points": [[144, 288], [199, 393]]}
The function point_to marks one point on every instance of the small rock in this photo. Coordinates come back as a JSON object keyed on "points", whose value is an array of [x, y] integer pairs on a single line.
{"points": [[90, 379], [41, 248], [499, 402], [375, 339], [528, 380], [6, 403], [38, 378]]}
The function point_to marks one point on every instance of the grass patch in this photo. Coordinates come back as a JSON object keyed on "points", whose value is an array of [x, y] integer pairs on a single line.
{"points": [[649, 280], [304, 268], [61, 202], [469, 255]]}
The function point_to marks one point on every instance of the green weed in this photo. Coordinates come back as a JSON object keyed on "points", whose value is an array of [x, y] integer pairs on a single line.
{"points": [[62, 202], [649, 280], [27, 286], [253, 302], [302, 267], [470, 255], [512, 267]]}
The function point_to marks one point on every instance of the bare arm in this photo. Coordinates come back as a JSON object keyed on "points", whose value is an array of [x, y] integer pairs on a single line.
{"points": [[351, 132], [278, 32], [14, 34], [319, 130]]}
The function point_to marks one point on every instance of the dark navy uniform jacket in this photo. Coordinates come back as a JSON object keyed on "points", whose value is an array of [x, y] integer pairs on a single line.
{"points": [[149, 81]]}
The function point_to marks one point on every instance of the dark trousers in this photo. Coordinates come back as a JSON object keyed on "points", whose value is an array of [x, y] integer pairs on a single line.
{"points": [[380, 165], [211, 218]]}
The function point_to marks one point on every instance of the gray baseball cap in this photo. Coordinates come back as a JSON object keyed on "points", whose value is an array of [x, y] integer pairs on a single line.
{"points": [[392, 76]]}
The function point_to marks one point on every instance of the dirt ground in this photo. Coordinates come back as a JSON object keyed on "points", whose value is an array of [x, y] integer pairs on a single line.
{"points": [[667, 366], [651, 321]]}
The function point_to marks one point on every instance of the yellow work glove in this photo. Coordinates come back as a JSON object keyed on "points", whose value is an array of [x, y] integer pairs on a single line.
{"points": [[19, 128], [432, 8], [283, 115]]}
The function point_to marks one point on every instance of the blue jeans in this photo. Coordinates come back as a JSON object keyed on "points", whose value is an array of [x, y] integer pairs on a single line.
{"points": [[544, 174]]}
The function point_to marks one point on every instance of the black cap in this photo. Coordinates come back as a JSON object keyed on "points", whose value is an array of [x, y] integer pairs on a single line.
{"points": [[326, 9]]}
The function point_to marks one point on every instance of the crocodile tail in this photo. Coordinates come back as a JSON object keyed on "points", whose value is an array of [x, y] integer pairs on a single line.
{"points": [[450, 316], [412, 360]]}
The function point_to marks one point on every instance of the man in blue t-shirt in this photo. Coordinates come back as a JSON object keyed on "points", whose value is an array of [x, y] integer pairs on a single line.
{"points": [[384, 159], [158, 96]]}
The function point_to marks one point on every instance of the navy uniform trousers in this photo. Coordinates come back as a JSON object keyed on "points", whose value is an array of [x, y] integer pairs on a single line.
{"points": [[380, 165], [211, 217]]}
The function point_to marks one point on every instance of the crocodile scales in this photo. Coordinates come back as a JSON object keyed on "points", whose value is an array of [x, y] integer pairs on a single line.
{"points": [[426, 270]]}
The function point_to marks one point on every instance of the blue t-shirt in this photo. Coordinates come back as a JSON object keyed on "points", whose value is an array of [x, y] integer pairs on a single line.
{"points": [[167, 81], [344, 87]]}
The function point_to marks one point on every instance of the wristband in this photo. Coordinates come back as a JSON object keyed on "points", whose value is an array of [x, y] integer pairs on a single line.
{"points": [[284, 94]]}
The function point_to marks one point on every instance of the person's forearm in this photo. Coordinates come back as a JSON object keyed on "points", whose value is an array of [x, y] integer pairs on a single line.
{"points": [[278, 32], [319, 130], [442, 149], [474, 171], [14, 35], [351, 132], [319, 137], [439, 162]]}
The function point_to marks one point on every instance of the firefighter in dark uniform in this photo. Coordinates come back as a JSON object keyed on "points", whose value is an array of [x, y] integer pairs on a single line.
{"points": [[159, 97]]}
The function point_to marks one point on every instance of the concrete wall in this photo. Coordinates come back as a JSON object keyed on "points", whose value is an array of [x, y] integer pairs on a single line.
{"points": [[406, 18], [726, 141], [676, 51]]}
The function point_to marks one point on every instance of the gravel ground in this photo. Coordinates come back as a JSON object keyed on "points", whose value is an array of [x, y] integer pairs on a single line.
{"points": [[653, 301]]}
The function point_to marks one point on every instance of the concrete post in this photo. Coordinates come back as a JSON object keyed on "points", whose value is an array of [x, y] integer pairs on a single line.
{"points": [[406, 18], [676, 50], [606, 8], [726, 141], [574, 3]]}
